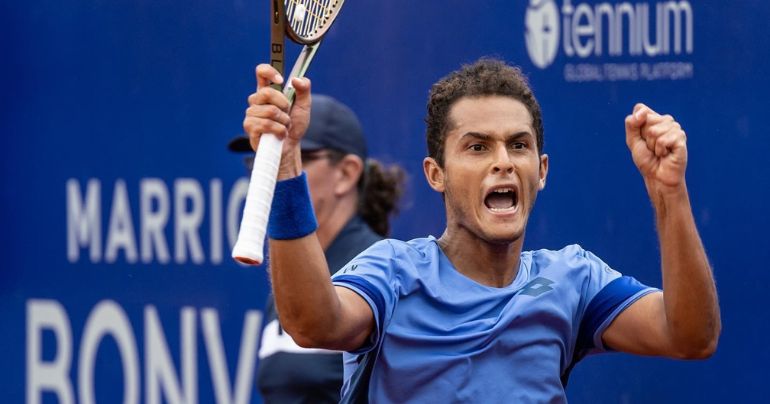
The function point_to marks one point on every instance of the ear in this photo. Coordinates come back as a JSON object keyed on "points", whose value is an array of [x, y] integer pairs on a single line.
{"points": [[434, 174], [348, 171], [543, 171]]}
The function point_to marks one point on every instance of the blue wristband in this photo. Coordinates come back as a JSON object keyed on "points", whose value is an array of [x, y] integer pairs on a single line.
{"points": [[291, 215]]}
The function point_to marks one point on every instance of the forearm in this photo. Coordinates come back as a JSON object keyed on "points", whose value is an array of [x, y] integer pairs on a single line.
{"points": [[691, 306], [306, 301], [305, 298]]}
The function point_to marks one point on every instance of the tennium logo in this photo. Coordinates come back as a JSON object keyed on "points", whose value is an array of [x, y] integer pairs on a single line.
{"points": [[605, 31], [542, 25]]}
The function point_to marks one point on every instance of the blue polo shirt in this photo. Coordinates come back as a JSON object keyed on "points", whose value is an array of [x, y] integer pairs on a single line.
{"points": [[442, 337]]}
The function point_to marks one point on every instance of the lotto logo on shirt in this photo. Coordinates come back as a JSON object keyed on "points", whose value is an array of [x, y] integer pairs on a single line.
{"points": [[537, 287]]}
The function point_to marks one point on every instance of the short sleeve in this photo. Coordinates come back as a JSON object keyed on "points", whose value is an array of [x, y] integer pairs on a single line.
{"points": [[606, 293], [371, 276]]}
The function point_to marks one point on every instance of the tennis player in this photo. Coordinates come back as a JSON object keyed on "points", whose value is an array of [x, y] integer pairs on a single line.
{"points": [[353, 197], [469, 316]]}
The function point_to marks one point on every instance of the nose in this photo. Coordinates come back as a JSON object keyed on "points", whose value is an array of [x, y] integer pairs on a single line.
{"points": [[502, 162]]}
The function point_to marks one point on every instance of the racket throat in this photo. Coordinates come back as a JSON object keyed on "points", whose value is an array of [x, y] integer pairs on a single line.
{"points": [[277, 37]]}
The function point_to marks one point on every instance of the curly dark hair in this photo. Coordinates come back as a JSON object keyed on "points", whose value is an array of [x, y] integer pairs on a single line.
{"points": [[379, 189], [485, 77]]}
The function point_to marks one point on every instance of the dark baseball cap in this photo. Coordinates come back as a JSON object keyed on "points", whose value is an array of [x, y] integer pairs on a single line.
{"points": [[332, 126]]}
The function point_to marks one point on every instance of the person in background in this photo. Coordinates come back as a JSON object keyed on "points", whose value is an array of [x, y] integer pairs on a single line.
{"points": [[353, 197]]}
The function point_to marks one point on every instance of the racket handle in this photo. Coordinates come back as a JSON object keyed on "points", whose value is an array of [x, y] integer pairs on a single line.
{"points": [[251, 236]]}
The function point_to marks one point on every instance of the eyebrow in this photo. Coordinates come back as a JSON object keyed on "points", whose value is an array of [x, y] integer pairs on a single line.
{"points": [[487, 137], [476, 135]]}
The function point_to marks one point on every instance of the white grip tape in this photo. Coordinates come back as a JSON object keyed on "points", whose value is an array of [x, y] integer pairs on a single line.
{"points": [[251, 236]]}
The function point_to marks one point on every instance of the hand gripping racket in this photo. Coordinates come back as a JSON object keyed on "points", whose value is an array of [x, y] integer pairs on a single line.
{"points": [[305, 22]]}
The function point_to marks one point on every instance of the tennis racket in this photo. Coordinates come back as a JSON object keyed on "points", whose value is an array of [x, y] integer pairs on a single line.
{"points": [[305, 22]]}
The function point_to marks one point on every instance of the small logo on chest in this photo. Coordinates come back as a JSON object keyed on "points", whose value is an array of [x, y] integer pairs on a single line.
{"points": [[537, 287]]}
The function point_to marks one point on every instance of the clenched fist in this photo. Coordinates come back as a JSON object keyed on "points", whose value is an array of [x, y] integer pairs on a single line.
{"points": [[270, 111], [659, 148]]}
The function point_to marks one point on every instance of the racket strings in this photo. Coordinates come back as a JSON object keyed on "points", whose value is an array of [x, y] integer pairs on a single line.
{"points": [[305, 16], [308, 17]]}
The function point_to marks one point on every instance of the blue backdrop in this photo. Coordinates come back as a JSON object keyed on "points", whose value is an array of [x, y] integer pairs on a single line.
{"points": [[120, 201]]}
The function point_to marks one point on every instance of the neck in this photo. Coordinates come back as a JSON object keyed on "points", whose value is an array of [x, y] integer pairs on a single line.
{"points": [[490, 264], [330, 227]]}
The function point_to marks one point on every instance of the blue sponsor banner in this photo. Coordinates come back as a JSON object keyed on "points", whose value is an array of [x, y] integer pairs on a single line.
{"points": [[120, 202]]}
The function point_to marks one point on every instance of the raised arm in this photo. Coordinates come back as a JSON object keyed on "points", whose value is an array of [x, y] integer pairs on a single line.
{"points": [[313, 311], [684, 320]]}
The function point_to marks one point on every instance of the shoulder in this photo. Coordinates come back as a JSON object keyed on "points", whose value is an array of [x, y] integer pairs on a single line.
{"points": [[393, 257], [422, 245], [415, 249], [572, 259], [572, 253]]}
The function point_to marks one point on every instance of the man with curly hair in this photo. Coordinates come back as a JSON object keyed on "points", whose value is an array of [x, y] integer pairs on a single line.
{"points": [[469, 316]]}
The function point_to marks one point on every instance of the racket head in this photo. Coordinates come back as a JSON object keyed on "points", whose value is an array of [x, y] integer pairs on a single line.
{"points": [[308, 20]]}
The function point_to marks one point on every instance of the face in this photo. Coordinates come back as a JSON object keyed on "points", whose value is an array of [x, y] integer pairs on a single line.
{"points": [[321, 178], [492, 169]]}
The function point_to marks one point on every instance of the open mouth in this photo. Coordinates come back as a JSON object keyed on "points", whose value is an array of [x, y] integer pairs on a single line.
{"points": [[502, 199]]}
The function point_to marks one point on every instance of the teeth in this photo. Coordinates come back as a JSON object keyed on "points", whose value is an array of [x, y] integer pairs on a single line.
{"points": [[503, 190]]}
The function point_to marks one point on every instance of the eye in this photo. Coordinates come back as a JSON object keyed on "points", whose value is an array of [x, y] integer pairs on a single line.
{"points": [[519, 145], [477, 147]]}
